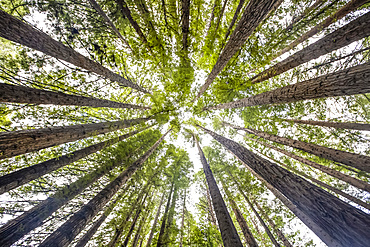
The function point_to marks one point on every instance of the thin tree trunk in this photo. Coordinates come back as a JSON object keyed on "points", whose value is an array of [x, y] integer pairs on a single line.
{"points": [[155, 221], [96, 6], [343, 222], [185, 23], [358, 161], [26, 95], [220, 17], [229, 234], [353, 31], [161, 240], [171, 212], [263, 240], [342, 12], [211, 18], [351, 81], [15, 179], [15, 229], [255, 12], [210, 207], [337, 125], [65, 234], [24, 141], [304, 14], [344, 177], [235, 17], [250, 240], [182, 220], [17, 31]]}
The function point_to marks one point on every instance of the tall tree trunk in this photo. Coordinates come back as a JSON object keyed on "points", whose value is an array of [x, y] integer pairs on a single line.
{"points": [[161, 240], [211, 18], [304, 14], [24, 141], [249, 239], [255, 12], [341, 221], [353, 31], [20, 94], [358, 161], [17, 31], [185, 23], [15, 179], [263, 240], [344, 177], [15, 229], [229, 234], [210, 207], [349, 81], [342, 12], [235, 17], [155, 221], [171, 212], [182, 220], [337, 125], [220, 18], [65, 234], [96, 6]]}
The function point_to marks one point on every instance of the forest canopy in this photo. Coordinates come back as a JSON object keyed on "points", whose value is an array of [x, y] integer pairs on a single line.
{"points": [[184, 123]]}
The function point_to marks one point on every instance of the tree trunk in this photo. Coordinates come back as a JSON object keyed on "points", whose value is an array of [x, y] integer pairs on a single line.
{"points": [[96, 6], [211, 18], [210, 207], [344, 177], [249, 239], [171, 212], [342, 12], [161, 240], [17, 31], [65, 234], [353, 31], [20, 94], [235, 17], [15, 229], [15, 179], [182, 220], [349, 81], [185, 23], [24, 141], [304, 14], [358, 161], [337, 125], [155, 221], [255, 12], [229, 234], [220, 18], [344, 223]]}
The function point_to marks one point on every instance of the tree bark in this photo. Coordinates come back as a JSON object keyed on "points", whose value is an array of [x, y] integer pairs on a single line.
{"points": [[182, 220], [344, 223], [24, 141], [342, 12], [211, 18], [235, 17], [358, 161], [65, 234], [337, 125], [185, 23], [155, 221], [350, 81], [161, 240], [15, 179], [26, 95], [344, 177], [96, 6], [220, 17], [353, 31], [17, 31], [255, 12], [304, 14], [171, 212], [229, 234], [210, 207]]}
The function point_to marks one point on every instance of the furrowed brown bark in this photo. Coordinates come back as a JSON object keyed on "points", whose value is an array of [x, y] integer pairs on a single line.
{"points": [[155, 221], [351, 81], [353, 31], [342, 12], [185, 23], [358, 161], [344, 223], [15, 179], [255, 12], [210, 207], [17, 31], [337, 125], [341, 176], [65, 234], [24, 141], [229, 234]]}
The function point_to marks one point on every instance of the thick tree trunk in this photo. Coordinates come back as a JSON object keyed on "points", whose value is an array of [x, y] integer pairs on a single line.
{"points": [[26, 95], [342, 12], [65, 234], [235, 17], [155, 221], [344, 177], [182, 220], [337, 125], [185, 23], [24, 141], [350, 81], [358, 161], [210, 207], [229, 234], [255, 12], [17, 31], [15, 229], [161, 240], [353, 31], [25, 175], [96, 6], [344, 223]]}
